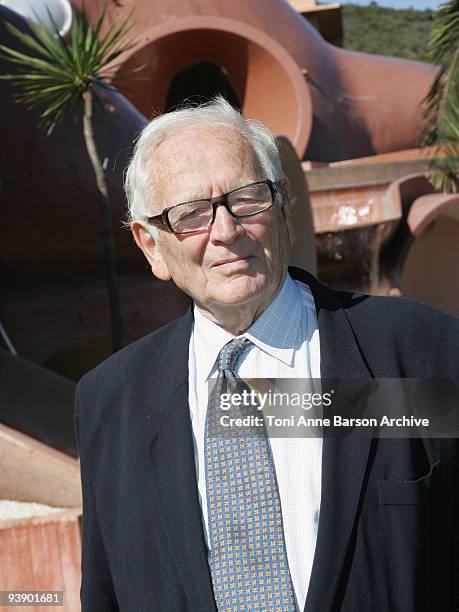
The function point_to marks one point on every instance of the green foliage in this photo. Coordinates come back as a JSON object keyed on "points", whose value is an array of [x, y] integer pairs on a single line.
{"points": [[441, 106], [426, 36], [53, 76], [385, 31]]}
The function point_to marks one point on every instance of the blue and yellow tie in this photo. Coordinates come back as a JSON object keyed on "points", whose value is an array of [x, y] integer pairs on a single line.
{"points": [[248, 558]]}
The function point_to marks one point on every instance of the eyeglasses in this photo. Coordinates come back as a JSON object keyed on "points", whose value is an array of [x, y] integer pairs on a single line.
{"points": [[196, 215]]}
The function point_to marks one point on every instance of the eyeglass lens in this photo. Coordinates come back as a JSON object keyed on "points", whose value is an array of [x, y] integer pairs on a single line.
{"points": [[243, 202]]}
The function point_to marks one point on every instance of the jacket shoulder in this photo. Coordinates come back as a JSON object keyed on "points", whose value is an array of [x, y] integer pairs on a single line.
{"points": [[139, 361], [423, 339], [395, 313], [396, 335]]}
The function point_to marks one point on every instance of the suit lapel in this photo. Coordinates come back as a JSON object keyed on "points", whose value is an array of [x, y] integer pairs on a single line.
{"points": [[175, 475], [344, 460]]}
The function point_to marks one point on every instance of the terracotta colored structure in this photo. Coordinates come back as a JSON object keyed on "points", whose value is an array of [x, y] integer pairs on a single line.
{"points": [[381, 228], [34, 472], [430, 270], [44, 552], [422, 259], [358, 104], [360, 208], [326, 18], [41, 552]]}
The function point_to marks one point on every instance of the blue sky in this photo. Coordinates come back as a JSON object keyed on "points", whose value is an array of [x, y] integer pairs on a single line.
{"points": [[397, 4]]}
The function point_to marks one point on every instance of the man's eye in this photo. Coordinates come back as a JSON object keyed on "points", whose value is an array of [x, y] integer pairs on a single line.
{"points": [[187, 212], [188, 215], [246, 200]]}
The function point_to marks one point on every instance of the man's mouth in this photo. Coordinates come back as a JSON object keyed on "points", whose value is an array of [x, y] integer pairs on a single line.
{"points": [[233, 262]]}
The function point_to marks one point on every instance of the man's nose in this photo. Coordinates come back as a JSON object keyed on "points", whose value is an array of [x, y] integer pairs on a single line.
{"points": [[225, 228]]}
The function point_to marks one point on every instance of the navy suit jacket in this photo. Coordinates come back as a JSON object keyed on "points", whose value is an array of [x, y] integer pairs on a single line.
{"points": [[388, 529]]}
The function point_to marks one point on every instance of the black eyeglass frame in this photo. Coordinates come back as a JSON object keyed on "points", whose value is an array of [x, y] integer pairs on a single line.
{"points": [[162, 220]]}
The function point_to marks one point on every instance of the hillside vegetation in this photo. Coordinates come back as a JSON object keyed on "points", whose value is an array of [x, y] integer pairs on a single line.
{"points": [[386, 31]]}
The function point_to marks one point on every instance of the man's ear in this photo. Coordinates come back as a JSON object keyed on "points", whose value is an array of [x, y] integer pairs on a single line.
{"points": [[151, 249]]}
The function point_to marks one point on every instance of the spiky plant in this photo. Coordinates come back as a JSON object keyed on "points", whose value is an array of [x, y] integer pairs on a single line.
{"points": [[441, 106], [58, 79]]}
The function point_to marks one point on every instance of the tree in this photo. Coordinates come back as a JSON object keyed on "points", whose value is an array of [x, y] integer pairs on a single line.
{"points": [[59, 79], [441, 106]]}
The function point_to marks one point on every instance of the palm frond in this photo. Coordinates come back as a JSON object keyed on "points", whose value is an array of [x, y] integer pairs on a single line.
{"points": [[116, 37], [445, 33], [34, 64], [51, 75], [55, 41], [440, 108], [29, 41], [92, 37]]}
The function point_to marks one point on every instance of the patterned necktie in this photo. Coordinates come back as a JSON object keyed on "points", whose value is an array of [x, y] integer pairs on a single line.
{"points": [[248, 558]]}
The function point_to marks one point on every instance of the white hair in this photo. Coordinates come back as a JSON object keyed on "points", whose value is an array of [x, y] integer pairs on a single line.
{"points": [[139, 186]]}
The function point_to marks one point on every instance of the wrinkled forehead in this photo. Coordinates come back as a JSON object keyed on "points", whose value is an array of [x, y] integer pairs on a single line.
{"points": [[198, 162]]}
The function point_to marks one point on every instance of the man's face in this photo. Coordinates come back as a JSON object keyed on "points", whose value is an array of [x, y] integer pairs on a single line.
{"points": [[236, 261]]}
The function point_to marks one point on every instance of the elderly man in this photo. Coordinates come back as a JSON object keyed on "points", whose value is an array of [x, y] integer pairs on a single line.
{"points": [[178, 519]]}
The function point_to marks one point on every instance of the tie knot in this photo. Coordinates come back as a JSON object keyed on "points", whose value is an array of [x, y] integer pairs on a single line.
{"points": [[231, 352]]}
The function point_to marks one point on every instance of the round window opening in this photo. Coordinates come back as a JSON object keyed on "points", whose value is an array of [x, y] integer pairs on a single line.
{"points": [[199, 82]]}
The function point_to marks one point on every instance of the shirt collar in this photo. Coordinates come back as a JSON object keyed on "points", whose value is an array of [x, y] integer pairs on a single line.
{"points": [[275, 332]]}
